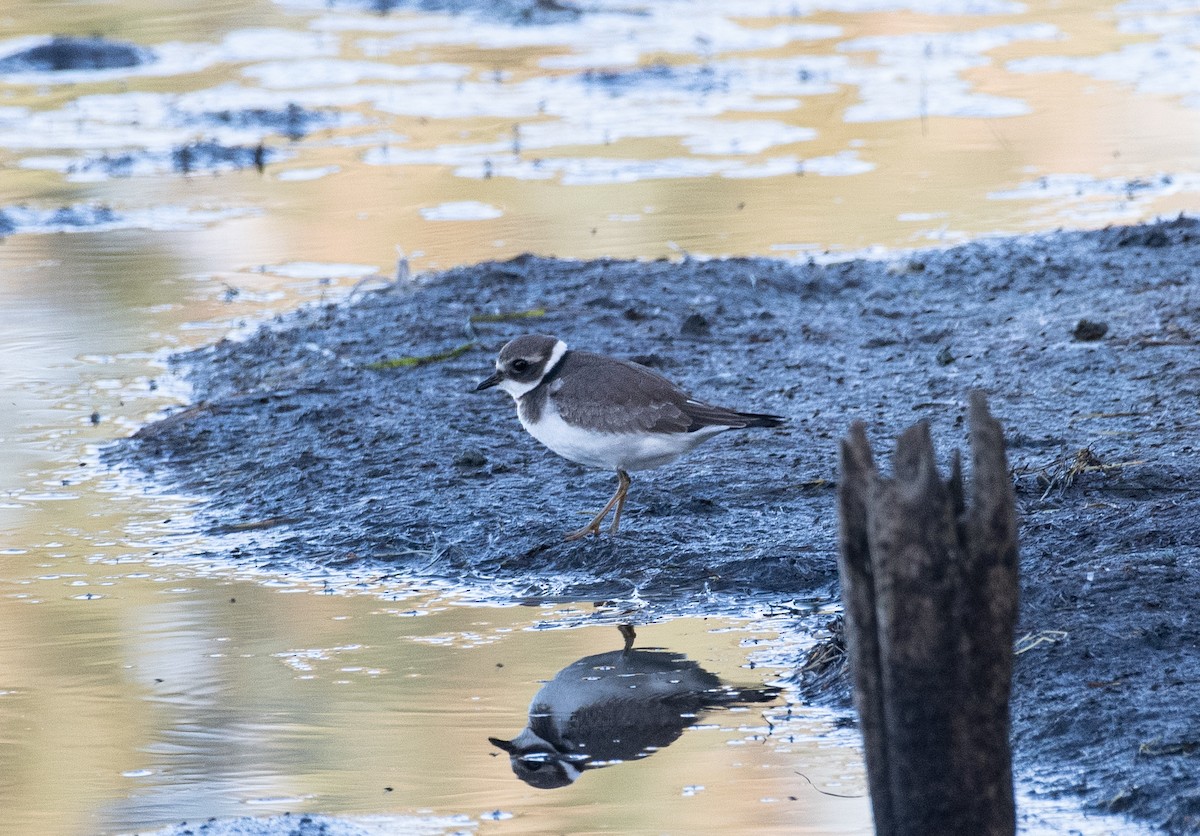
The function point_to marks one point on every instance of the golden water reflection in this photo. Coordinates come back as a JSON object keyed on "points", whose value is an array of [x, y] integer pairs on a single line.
{"points": [[611, 708], [165, 698]]}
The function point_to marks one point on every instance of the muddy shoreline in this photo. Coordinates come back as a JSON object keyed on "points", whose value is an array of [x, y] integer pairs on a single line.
{"points": [[324, 440]]}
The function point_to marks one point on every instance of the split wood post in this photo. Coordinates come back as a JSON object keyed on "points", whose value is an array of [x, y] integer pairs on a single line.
{"points": [[929, 588]]}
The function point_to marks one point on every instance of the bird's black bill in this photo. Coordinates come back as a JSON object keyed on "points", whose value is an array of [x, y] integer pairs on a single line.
{"points": [[489, 383], [506, 745]]}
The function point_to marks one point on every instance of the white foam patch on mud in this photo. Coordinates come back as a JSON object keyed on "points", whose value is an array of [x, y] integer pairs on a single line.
{"points": [[1085, 185], [153, 121], [1099, 200], [319, 270], [1168, 65], [590, 171], [98, 218], [178, 58], [1138, 6], [313, 173], [746, 137], [1159, 68], [919, 74], [751, 8], [712, 97], [328, 825], [87, 169], [928, 7], [597, 39], [307, 73], [909, 77], [461, 210]]}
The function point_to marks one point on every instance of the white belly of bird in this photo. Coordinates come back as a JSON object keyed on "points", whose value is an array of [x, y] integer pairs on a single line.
{"points": [[613, 451]]}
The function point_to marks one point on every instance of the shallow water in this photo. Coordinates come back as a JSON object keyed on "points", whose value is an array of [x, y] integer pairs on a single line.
{"points": [[173, 697], [789, 130]]}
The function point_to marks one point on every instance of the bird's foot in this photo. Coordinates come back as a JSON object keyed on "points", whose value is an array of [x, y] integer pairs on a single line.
{"points": [[591, 528]]}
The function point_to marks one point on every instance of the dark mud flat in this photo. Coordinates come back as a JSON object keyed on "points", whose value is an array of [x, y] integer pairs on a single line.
{"points": [[61, 54], [308, 437]]}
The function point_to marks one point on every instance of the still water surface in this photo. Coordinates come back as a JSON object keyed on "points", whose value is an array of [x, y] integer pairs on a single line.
{"points": [[138, 688]]}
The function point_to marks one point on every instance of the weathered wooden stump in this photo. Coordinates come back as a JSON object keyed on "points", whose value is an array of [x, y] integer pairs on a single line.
{"points": [[930, 594]]}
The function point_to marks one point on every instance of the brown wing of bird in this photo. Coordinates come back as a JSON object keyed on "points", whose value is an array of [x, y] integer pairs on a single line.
{"points": [[621, 397]]}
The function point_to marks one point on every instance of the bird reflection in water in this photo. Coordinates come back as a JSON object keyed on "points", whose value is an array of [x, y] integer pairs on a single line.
{"points": [[614, 707]]}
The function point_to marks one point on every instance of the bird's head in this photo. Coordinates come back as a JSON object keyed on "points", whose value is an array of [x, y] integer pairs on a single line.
{"points": [[523, 363]]}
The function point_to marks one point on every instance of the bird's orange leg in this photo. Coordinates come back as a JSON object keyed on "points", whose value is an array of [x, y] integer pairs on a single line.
{"points": [[619, 497], [622, 490]]}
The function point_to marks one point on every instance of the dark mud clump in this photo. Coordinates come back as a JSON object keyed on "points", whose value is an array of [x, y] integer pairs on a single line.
{"points": [[66, 53], [348, 435], [291, 120], [209, 155], [22, 218], [704, 79], [212, 156], [200, 157], [529, 12]]}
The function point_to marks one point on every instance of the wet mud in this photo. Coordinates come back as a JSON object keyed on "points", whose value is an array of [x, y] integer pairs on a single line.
{"points": [[348, 435]]}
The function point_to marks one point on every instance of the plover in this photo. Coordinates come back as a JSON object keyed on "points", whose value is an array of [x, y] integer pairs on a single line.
{"points": [[607, 413]]}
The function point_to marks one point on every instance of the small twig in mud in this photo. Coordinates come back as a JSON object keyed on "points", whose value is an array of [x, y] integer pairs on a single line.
{"points": [[507, 316], [828, 654], [1157, 749], [1031, 640], [436, 553], [387, 284], [1066, 470], [812, 484], [822, 656], [403, 276], [1108, 468], [175, 418], [791, 608], [1149, 343], [1063, 473], [1093, 415], [421, 360], [826, 792], [255, 525]]}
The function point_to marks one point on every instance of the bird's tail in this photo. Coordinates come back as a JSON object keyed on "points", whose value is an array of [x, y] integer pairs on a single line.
{"points": [[758, 419]]}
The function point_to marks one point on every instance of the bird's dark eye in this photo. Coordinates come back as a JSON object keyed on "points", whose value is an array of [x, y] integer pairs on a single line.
{"points": [[520, 365]]}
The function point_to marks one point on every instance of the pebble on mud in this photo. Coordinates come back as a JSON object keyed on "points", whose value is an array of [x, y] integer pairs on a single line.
{"points": [[471, 458], [1087, 331], [694, 325]]}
